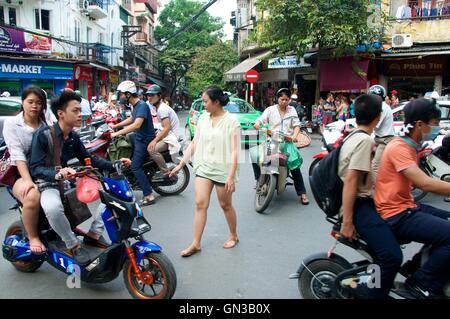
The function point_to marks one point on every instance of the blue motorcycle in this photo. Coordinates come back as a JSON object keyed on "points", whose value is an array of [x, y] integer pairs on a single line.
{"points": [[147, 272]]}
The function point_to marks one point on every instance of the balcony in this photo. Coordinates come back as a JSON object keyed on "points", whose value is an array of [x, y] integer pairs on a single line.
{"points": [[94, 54], [127, 4], [430, 25], [96, 9], [141, 37], [152, 5]]}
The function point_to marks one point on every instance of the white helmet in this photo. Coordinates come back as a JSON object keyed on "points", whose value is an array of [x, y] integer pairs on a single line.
{"points": [[114, 97], [6, 94], [127, 86]]}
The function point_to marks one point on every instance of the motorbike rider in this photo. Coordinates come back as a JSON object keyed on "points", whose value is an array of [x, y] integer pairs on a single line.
{"points": [[86, 111], [167, 136], [299, 108], [411, 221], [384, 131], [141, 123], [283, 117], [68, 111], [358, 209]]}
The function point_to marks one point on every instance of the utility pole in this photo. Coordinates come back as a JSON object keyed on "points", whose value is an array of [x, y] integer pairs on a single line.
{"points": [[127, 32]]}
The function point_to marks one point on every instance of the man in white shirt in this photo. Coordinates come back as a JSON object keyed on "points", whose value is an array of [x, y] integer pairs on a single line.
{"points": [[85, 108], [384, 131], [166, 138]]}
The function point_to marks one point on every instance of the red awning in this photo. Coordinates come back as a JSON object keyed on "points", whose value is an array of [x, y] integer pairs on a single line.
{"points": [[343, 74]]}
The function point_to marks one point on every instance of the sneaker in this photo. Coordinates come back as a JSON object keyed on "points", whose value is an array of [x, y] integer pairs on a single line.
{"points": [[81, 255], [419, 292], [159, 176]]}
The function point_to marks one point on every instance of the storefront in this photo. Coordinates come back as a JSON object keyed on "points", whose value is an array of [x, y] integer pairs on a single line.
{"points": [[412, 76], [91, 79], [17, 74]]}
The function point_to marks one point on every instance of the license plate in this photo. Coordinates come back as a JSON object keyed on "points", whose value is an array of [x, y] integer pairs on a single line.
{"points": [[250, 133]]}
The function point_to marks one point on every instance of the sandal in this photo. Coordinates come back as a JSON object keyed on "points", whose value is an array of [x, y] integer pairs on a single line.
{"points": [[230, 243], [190, 251], [304, 200], [145, 202]]}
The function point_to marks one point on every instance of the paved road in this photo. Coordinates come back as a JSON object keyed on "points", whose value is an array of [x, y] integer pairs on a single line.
{"points": [[271, 247]]}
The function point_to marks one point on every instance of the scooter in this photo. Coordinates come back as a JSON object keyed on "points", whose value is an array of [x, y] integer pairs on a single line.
{"points": [[147, 272], [328, 275], [163, 185], [274, 170], [434, 163]]}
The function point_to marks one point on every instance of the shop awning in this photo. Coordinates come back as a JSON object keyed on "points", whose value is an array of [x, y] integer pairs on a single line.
{"points": [[344, 74], [98, 66], [275, 75], [423, 50], [156, 81], [237, 74]]}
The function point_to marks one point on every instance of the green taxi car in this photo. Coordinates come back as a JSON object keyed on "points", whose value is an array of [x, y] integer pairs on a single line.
{"points": [[243, 111]]}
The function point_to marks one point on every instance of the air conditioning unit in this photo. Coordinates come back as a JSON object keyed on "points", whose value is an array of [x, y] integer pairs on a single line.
{"points": [[402, 41], [84, 5]]}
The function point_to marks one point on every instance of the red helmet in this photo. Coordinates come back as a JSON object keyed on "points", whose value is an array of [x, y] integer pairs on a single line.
{"points": [[87, 189]]}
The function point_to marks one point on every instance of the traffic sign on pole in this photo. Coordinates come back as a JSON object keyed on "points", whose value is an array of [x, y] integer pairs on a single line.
{"points": [[252, 76]]}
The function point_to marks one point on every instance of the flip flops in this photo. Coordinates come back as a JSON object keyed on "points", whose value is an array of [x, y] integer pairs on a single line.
{"points": [[230, 243], [190, 251], [145, 202]]}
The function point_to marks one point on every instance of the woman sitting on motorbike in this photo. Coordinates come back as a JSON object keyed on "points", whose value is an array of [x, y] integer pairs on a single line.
{"points": [[283, 117], [18, 132]]}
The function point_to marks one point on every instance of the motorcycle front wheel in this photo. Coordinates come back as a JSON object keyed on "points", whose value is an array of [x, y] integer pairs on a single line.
{"points": [[159, 278], [265, 190], [317, 280]]}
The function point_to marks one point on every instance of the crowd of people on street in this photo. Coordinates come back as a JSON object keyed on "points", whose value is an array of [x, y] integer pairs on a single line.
{"points": [[377, 203]]}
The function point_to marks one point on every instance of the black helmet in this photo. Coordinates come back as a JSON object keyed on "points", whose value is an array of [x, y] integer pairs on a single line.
{"points": [[378, 90]]}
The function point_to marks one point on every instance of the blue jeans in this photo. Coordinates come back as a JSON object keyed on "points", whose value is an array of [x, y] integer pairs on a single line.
{"points": [[431, 226], [381, 240], [140, 154]]}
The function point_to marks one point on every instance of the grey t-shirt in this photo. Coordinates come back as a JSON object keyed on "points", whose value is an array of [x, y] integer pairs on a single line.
{"points": [[356, 154], [164, 111]]}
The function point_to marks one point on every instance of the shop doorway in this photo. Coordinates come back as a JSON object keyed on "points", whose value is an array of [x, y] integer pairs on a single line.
{"points": [[411, 87], [306, 93]]}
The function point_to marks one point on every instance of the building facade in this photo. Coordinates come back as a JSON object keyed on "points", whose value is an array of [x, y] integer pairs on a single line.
{"points": [[416, 55], [86, 37]]}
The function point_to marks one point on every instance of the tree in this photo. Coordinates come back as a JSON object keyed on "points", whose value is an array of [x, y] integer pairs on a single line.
{"points": [[178, 52], [339, 25], [209, 66]]}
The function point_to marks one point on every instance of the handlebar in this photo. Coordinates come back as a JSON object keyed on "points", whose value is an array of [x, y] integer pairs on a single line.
{"points": [[284, 136]]}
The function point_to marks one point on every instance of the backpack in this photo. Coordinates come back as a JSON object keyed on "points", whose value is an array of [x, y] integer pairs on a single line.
{"points": [[325, 182], [120, 148]]}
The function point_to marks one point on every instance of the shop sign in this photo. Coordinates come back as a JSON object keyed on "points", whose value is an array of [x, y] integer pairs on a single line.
{"points": [[287, 62], [16, 41], [427, 66], [114, 77], [82, 73], [28, 69]]}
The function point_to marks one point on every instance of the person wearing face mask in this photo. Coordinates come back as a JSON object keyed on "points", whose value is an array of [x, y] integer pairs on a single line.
{"points": [[411, 221]]}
